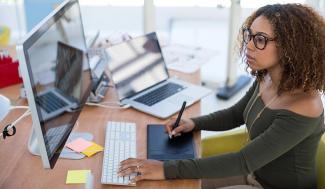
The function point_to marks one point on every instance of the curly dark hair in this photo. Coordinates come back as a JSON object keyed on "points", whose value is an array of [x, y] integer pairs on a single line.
{"points": [[300, 42]]}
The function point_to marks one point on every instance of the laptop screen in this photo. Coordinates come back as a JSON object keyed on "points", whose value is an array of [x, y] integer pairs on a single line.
{"points": [[136, 65], [68, 70]]}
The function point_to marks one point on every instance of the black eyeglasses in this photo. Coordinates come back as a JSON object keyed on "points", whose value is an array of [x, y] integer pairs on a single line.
{"points": [[260, 41]]}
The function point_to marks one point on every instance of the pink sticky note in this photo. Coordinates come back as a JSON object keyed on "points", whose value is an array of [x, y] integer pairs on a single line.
{"points": [[79, 145]]}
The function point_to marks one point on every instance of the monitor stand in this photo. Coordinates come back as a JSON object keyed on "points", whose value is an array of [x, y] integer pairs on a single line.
{"points": [[65, 153]]}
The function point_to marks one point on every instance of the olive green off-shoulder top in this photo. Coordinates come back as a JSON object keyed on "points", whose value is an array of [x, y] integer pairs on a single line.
{"points": [[281, 152]]}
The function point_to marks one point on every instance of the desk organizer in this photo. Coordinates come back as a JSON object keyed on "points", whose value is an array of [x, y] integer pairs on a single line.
{"points": [[9, 74]]}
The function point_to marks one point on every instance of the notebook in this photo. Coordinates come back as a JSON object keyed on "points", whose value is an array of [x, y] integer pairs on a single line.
{"points": [[138, 70], [160, 147]]}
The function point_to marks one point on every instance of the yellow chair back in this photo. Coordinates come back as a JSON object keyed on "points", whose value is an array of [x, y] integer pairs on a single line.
{"points": [[4, 35], [320, 164]]}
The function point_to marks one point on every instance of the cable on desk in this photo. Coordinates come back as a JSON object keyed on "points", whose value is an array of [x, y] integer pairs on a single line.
{"points": [[6, 131], [19, 107], [108, 85], [111, 102], [107, 106]]}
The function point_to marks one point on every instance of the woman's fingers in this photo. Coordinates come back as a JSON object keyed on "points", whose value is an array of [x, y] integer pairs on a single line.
{"points": [[130, 165], [169, 125], [130, 162], [151, 170], [178, 130], [146, 169], [127, 171], [139, 177]]}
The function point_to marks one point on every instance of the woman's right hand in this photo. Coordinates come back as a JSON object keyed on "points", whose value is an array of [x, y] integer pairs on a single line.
{"points": [[185, 125]]}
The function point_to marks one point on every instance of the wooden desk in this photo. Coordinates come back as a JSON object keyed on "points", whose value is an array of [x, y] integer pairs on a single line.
{"points": [[20, 169]]}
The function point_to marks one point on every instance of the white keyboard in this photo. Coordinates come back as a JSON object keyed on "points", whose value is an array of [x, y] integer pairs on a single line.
{"points": [[120, 144]]}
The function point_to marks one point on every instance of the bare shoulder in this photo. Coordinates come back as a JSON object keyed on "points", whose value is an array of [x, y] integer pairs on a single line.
{"points": [[307, 105]]}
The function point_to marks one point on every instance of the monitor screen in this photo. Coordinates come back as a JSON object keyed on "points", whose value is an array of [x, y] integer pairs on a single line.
{"points": [[136, 65], [56, 77]]}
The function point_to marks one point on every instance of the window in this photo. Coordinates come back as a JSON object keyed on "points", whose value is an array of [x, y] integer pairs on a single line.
{"points": [[11, 1], [192, 3], [112, 2], [259, 3], [183, 3]]}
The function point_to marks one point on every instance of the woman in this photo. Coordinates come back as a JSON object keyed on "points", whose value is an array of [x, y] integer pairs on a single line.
{"points": [[284, 48]]}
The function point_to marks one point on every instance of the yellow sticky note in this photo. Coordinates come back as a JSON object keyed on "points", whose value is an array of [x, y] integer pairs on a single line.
{"points": [[93, 149], [77, 176]]}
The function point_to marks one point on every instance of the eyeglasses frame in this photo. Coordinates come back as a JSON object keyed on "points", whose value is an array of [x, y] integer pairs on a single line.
{"points": [[251, 36]]}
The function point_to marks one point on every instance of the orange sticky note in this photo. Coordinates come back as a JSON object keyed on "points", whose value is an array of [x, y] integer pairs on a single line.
{"points": [[79, 145], [93, 149]]}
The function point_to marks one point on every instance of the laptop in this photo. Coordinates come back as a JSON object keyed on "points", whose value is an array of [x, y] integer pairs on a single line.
{"points": [[64, 95], [141, 79]]}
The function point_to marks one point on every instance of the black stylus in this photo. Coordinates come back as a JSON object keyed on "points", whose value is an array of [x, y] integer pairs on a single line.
{"points": [[179, 117]]}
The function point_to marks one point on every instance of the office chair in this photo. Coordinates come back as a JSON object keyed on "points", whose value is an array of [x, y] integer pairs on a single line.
{"points": [[233, 140]]}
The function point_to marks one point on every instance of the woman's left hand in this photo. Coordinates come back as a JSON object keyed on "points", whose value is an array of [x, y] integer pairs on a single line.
{"points": [[147, 169]]}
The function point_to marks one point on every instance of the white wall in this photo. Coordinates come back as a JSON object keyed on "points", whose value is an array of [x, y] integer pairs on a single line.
{"points": [[110, 19], [129, 19], [124, 19], [13, 17]]}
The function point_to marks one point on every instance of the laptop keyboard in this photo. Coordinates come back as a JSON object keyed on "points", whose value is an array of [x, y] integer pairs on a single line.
{"points": [[50, 102], [160, 94], [54, 136]]}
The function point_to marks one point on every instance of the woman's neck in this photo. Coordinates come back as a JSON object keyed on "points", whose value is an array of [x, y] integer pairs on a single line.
{"points": [[274, 75]]}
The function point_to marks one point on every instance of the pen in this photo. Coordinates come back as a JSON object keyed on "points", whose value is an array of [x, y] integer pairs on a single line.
{"points": [[178, 117]]}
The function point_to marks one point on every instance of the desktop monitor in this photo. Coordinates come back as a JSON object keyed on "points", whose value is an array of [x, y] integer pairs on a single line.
{"points": [[57, 79]]}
